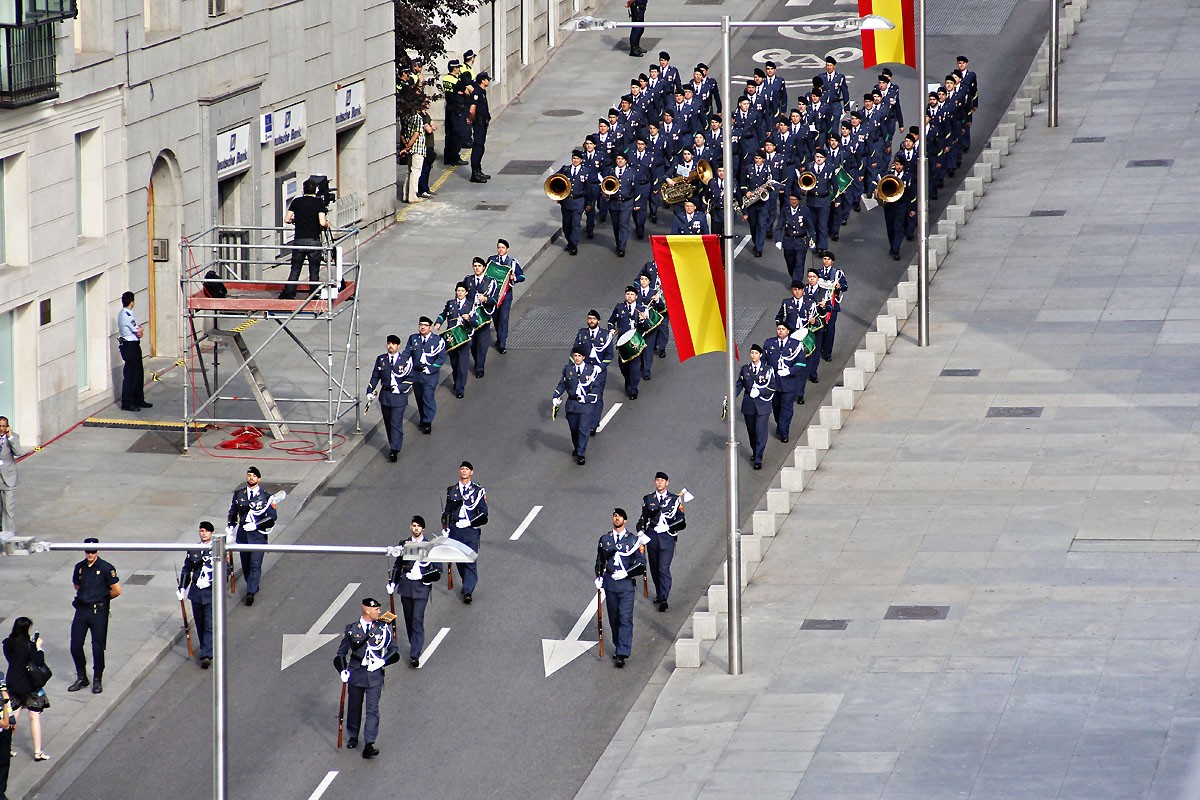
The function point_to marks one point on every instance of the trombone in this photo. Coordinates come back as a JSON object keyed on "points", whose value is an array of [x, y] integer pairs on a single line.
{"points": [[557, 186]]}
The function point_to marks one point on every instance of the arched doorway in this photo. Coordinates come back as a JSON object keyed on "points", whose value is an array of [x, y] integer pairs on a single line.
{"points": [[164, 222]]}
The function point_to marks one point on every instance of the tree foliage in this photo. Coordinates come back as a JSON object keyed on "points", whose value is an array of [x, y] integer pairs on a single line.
{"points": [[422, 29]]}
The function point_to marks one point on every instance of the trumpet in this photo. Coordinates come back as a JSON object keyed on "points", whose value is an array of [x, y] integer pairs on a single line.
{"points": [[890, 189], [557, 186], [685, 187], [807, 181], [610, 185]]}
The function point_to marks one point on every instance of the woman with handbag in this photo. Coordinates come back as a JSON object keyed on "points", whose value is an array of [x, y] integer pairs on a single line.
{"points": [[27, 674]]}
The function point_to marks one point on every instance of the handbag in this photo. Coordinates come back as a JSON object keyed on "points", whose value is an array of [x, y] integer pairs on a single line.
{"points": [[39, 674]]}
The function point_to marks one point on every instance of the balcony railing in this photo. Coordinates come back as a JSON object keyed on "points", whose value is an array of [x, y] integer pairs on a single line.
{"points": [[24, 13], [27, 65]]}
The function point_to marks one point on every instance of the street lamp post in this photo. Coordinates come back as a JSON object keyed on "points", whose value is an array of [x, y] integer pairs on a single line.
{"points": [[733, 559], [922, 190]]}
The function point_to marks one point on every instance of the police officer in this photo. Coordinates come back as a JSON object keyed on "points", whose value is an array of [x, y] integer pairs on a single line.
{"points": [[96, 584], [794, 240], [598, 343], [195, 584], [413, 578], [578, 386], [251, 516], [661, 520], [390, 381], [833, 280], [504, 307], [129, 334], [620, 204], [619, 561], [454, 111], [479, 117], [367, 648], [463, 514], [624, 318], [637, 13], [786, 356], [427, 351], [484, 293], [759, 383]]}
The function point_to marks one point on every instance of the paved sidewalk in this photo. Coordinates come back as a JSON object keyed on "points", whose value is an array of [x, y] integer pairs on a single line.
{"points": [[134, 485], [1040, 495]]}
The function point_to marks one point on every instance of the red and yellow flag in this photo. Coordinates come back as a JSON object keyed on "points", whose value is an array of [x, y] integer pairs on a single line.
{"points": [[897, 46], [692, 272]]}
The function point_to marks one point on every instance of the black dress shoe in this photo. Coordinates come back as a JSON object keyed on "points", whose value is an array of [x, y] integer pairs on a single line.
{"points": [[97, 686], [758, 253], [479, 374], [620, 254], [654, 218], [392, 456], [799, 401], [581, 461], [834, 237], [144, 404], [352, 744], [459, 395], [814, 379], [827, 358], [466, 598], [662, 606], [485, 176], [895, 256], [783, 439], [662, 353], [477, 179], [757, 465], [603, 218], [573, 250], [249, 598], [79, 683], [370, 750], [427, 427], [590, 235], [645, 376], [595, 432], [501, 350], [414, 662], [205, 663], [909, 237], [632, 395], [620, 662]]}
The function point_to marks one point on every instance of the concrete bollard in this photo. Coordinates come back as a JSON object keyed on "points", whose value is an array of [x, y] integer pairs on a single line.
{"points": [[999, 143], [832, 417], [965, 198], [818, 437], [1024, 106], [806, 458], [779, 501], [897, 308], [906, 291], [764, 523], [886, 325], [956, 214], [982, 170], [947, 228], [687, 653], [991, 158], [704, 625], [876, 342], [792, 479], [939, 243], [718, 602], [752, 549], [974, 185], [843, 398], [866, 360], [1008, 131]]}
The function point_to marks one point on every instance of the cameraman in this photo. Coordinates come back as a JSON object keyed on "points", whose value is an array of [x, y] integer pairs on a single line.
{"points": [[307, 212]]}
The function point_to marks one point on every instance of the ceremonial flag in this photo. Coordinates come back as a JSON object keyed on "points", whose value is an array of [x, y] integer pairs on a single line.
{"points": [[692, 272], [897, 46]]}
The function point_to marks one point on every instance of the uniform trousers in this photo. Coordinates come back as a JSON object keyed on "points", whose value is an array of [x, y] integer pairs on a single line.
{"points": [[93, 618], [468, 572], [481, 340], [392, 412], [632, 372], [618, 597], [356, 695], [659, 552], [480, 136], [504, 311], [251, 562], [460, 363], [580, 423], [572, 219], [795, 257], [818, 220], [757, 431], [827, 334], [132, 376], [783, 404], [425, 393], [202, 614], [414, 623]]}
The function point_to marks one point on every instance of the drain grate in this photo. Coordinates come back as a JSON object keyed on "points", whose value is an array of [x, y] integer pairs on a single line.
{"points": [[159, 442], [1151, 162], [562, 112], [824, 624], [138, 579], [554, 327], [1087, 139], [522, 166], [1014, 411], [917, 612], [492, 206], [703, 2], [969, 17], [1048, 212], [960, 373]]}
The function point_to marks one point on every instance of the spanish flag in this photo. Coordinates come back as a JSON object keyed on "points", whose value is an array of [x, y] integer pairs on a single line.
{"points": [[897, 46], [692, 272]]}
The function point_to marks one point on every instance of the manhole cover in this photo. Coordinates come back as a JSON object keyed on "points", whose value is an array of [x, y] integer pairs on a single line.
{"points": [[521, 166], [138, 579], [562, 112], [1087, 139], [1152, 162], [960, 373], [554, 327], [824, 624], [1048, 212], [1014, 411], [491, 206], [917, 612]]}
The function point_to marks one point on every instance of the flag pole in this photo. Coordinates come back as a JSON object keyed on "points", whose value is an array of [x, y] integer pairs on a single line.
{"points": [[922, 190], [733, 555]]}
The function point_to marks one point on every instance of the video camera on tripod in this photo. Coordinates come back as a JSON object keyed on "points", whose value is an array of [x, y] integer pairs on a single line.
{"points": [[325, 193]]}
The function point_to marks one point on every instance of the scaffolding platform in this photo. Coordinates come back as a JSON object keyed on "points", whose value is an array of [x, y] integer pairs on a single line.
{"points": [[251, 298]]}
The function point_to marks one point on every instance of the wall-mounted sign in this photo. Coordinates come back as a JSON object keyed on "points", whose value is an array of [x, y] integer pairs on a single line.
{"points": [[233, 151], [349, 105], [288, 126]]}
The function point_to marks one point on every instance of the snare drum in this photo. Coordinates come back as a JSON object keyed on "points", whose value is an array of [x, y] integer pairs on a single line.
{"points": [[455, 336], [652, 321], [478, 318], [630, 345]]}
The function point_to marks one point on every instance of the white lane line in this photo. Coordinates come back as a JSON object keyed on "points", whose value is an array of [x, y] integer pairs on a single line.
{"points": [[429, 648], [521, 528], [615, 408], [737, 251], [320, 790]]}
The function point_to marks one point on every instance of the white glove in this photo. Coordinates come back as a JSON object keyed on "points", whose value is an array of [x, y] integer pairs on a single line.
{"points": [[230, 531], [181, 593], [462, 523], [754, 391], [391, 588], [783, 372], [369, 397], [203, 582], [345, 676], [599, 583], [414, 574], [643, 539], [620, 575], [251, 525], [661, 526], [445, 531], [557, 401]]}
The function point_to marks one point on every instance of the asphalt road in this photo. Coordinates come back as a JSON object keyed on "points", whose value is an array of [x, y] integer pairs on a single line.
{"points": [[480, 719]]}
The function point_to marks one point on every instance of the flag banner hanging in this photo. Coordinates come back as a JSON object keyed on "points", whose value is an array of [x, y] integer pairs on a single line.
{"points": [[897, 46], [692, 272]]}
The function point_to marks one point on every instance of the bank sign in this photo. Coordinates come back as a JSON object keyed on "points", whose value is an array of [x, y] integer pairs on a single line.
{"points": [[233, 151], [349, 105], [284, 128]]}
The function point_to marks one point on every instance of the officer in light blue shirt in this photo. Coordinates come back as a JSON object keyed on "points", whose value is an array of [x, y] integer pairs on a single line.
{"points": [[129, 335]]}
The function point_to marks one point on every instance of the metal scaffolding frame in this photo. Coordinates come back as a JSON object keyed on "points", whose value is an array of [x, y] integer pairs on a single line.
{"points": [[227, 254]]}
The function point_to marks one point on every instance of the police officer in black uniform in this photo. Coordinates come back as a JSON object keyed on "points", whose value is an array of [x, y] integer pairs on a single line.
{"points": [[96, 584], [479, 117]]}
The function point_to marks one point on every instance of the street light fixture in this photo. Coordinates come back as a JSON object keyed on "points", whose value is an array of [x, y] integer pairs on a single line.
{"points": [[870, 22]]}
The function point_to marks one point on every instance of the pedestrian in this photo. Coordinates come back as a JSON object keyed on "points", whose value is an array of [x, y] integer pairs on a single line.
{"points": [[478, 117], [96, 586], [129, 336], [307, 213], [464, 513], [516, 275], [619, 561], [251, 517], [759, 383], [7, 724], [22, 650], [195, 584], [427, 352], [10, 451], [661, 520], [428, 128], [578, 386], [413, 578], [390, 382], [367, 648], [413, 135], [637, 13]]}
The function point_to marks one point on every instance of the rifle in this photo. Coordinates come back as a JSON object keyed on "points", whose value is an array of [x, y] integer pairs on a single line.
{"points": [[232, 574], [186, 628], [392, 599], [645, 583], [600, 620], [341, 714]]}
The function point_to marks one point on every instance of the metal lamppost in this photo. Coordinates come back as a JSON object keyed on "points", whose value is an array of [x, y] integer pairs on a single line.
{"points": [[922, 190], [733, 575]]}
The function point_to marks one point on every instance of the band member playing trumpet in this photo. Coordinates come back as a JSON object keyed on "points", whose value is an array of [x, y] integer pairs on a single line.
{"points": [[621, 201], [390, 382], [816, 196], [624, 318], [599, 343], [367, 647], [574, 201], [897, 212], [458, 312], [483, 292], [577, 387]]}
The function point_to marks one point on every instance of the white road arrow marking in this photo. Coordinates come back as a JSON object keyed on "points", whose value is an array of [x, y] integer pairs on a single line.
{"points": [[521, 528], [323, 785], [297, 645], [429, 648], [557, 653], [611, 412]]}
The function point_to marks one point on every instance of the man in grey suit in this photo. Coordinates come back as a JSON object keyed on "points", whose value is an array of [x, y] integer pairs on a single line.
{"points": [[9, 453], [367, 647]]}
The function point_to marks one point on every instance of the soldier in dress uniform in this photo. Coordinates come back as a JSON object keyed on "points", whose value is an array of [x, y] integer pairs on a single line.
{"points": [[895, 214], [484, 293], [831, 278], [458, 312], [427, 351], [367, 648], [619, 561], [251, 516], [690, 221], [834, 89], [759, 383], [599, 343], [195, 584], [390, 382], [786, 356], [504, 307], [970, 84], [597, 163], [624, 318], [794, 238], [756, 214], [620, 205], [412, 578], [666, 72], [578, 386], [818, 299], [716, 202], [649, 169], [463, 514], [817, 198], [96, 585], [661, 520], [650, 294]]}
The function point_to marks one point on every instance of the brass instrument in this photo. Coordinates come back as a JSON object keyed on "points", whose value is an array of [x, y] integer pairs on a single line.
{"points": [[685, 187], [557, 186], [807, 181], [610, 185], [890, 189], [761, 194]]}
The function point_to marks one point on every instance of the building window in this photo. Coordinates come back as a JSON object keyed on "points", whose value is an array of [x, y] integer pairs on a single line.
{"points": [[216, 8], [159, 16], [14, 211], [89, 184], [28, 72], [23, 13]]}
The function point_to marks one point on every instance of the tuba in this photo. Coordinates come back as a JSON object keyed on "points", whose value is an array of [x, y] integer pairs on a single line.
{"points": [[807, 181], [686, 187], [610, 185], [890, 189], [557, 186]]}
